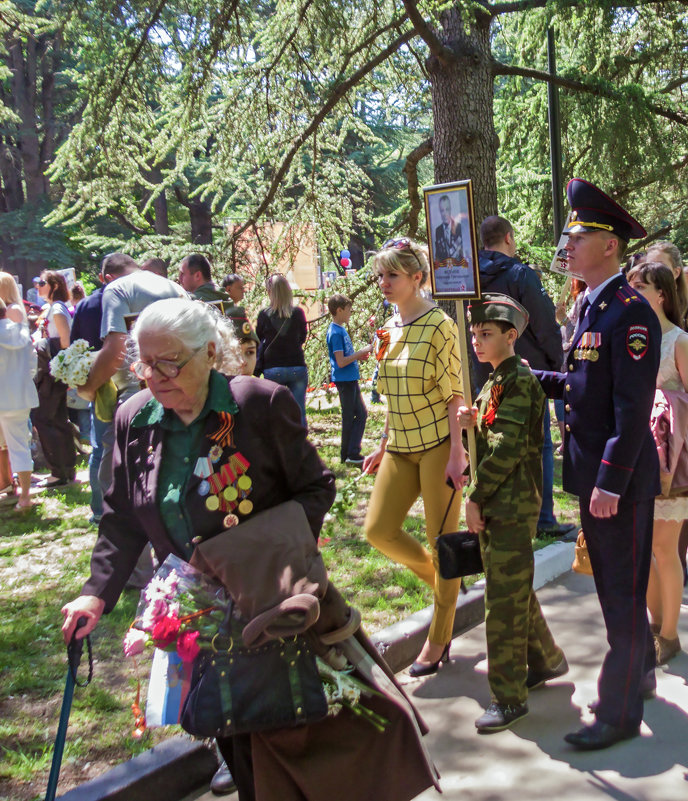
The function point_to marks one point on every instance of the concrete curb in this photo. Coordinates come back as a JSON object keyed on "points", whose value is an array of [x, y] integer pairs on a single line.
{"points": [[170, 770], [180, 765], [401, 642]]}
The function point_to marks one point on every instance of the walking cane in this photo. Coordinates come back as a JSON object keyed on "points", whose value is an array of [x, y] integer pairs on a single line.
{"points": [[74, 650]]}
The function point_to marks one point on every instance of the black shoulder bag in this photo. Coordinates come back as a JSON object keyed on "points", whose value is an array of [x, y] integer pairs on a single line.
{"points": [[458, 552]]}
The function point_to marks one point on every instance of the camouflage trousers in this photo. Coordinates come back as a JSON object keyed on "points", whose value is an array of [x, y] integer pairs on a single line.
{"points": [[517, 634]]}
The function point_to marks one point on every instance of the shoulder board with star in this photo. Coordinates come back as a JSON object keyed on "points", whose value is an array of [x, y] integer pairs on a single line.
{"points": [[627, 295]]}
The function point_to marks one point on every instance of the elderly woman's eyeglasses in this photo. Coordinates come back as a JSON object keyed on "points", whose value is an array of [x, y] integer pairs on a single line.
{"points": [[167, 369], [402, 243]]}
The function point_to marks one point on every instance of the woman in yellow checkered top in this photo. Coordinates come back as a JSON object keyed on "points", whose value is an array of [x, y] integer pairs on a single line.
{"points": [[421, 445]]}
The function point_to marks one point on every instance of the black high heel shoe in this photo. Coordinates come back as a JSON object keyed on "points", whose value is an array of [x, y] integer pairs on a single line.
{"points": [[418, 669]]}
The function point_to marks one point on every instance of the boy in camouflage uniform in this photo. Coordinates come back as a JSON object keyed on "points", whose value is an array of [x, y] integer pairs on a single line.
{"points": [[502, 505]]}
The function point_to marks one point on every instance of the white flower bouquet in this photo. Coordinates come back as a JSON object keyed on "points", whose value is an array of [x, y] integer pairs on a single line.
{"points": [[72, 365]]}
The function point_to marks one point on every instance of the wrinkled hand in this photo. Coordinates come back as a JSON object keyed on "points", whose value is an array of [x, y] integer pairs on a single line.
{"points": [[603, 504], [468, 417], [474, 519], [372, 461], [88, 606]]}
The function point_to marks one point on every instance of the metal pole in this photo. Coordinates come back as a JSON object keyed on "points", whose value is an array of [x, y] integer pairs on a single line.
{"points": [[554, 139]]}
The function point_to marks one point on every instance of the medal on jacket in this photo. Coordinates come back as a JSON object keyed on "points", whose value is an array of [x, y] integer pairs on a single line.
{"points": [[230, 487], [590, 341]]}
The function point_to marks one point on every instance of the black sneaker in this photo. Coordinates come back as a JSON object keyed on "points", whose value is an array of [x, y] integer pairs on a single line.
{"points": [[499, 716], [537, 678]]}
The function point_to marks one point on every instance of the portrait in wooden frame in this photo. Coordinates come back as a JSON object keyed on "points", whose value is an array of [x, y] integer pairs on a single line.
{"points": [[452, 242]]}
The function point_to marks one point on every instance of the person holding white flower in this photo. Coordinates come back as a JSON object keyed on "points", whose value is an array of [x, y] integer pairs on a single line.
{"points": [[17, 366]]}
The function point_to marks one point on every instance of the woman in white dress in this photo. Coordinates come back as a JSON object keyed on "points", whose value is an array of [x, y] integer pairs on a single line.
{"points": [[655, 281]]}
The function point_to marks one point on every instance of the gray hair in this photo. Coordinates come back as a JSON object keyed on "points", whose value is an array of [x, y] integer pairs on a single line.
{"points": [[194, 323]]}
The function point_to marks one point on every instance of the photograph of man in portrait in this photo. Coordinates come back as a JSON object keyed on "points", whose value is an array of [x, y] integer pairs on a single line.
{"points": [[451, 240]]}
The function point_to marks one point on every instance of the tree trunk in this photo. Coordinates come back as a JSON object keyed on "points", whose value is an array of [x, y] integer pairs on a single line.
{"points": [[201, 222], [465, 144]]}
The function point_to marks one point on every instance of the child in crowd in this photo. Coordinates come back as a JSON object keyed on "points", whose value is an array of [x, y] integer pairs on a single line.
{"points": [[502, 506], [248, 339], [345, 375]]}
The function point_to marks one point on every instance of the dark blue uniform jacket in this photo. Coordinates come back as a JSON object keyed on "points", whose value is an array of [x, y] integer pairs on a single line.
{"points": [[608, 399]]}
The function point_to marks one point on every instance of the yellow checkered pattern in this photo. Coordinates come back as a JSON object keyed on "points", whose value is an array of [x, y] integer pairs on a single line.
{"points": [[419, 375]]}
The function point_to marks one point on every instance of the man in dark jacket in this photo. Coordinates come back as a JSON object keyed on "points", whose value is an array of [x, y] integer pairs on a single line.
{"points": [[540, 345]]}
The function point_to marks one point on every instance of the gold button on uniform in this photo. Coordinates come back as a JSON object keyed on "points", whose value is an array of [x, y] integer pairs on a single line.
{"points": [[567, 407], [570, 368], [568, 427], [568, 387]]}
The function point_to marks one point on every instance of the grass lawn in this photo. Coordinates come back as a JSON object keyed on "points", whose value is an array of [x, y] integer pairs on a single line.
{"points": [[44, 558]]}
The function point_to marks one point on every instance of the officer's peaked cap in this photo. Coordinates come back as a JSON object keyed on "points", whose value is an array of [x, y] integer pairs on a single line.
{"points": [[592, 210]]}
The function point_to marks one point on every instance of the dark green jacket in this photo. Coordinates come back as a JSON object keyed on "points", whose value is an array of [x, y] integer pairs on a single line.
{"points": [[508, 479]]}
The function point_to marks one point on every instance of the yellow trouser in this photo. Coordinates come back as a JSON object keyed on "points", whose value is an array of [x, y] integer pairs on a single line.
{"points": [[400, 479]]}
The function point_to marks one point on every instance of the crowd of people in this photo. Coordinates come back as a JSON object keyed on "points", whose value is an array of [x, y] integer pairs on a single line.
{"points": [[184, 405]]}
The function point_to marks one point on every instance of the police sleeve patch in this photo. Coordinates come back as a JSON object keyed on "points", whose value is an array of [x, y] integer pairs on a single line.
{"points": [[637, 341]]}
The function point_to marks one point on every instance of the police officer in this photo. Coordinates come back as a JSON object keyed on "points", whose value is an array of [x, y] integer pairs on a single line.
{"points": [[610, 460]]}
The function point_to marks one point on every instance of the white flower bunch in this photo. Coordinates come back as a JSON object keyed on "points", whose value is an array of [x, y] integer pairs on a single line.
{"points": [[72, 365]]}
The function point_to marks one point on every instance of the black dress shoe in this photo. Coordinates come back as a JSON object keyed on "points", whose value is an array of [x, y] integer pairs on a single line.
{"points": [[222, 782], [537, 678], [419, 669], [600, 735]]}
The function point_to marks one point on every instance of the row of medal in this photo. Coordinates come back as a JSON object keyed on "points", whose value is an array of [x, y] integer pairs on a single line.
{"points": [[587, 350], [226, 489]]}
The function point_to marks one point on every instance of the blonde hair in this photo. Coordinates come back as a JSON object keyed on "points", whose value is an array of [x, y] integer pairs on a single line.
{"points": [[9, 292], [410, 259], [195, 324], [281, 296]]}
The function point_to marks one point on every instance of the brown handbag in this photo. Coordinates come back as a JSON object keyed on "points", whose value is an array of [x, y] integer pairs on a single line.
{"points": [[265, 560], [581, 558]]}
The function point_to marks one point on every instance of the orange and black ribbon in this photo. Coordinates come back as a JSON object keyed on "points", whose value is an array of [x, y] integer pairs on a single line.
{"points": [[383, 342], [496, 393], [223, 435]]}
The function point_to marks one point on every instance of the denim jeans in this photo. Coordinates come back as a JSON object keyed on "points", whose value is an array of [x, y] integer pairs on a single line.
{"points": [[296, 378], [98, 428], [354, 415], [547, 517]]}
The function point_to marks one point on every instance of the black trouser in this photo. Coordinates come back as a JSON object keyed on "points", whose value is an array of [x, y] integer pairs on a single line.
{"points": [[54, 429], [620, 549], [354, 415], [236, 751]]}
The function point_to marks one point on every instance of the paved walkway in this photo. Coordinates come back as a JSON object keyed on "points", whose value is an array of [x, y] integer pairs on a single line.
{"points": [[531, 761]]}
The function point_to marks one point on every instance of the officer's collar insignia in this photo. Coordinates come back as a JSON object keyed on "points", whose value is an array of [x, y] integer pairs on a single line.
{"points": [[602, 306], [637, 341]]}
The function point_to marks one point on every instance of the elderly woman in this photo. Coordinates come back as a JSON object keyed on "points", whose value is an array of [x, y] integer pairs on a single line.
{"points": [[165, 437]]}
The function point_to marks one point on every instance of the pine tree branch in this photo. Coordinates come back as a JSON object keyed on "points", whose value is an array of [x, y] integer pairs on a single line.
{"points": [[578, 86], [495, 9], [444, 54], [337, 93], [410, 169], [623, 191]]}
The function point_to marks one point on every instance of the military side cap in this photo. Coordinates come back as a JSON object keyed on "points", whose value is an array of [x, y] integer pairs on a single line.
{"points": [[242, 325], [493, 307], [592, 210]]}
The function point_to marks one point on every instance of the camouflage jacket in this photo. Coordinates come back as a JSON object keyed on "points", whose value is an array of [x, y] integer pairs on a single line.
{"points": [[508, 477]]}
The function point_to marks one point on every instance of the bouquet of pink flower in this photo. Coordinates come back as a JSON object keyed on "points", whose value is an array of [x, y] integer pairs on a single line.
{"points": [[180, 610]]}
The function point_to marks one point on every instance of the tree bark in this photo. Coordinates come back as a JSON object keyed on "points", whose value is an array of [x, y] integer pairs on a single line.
{"points": [[465, 144]]}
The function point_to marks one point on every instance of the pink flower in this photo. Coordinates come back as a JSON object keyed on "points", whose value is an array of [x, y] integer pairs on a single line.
{"points": [[134, 642], [187, 646], [156, 610], [165, 631]]}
